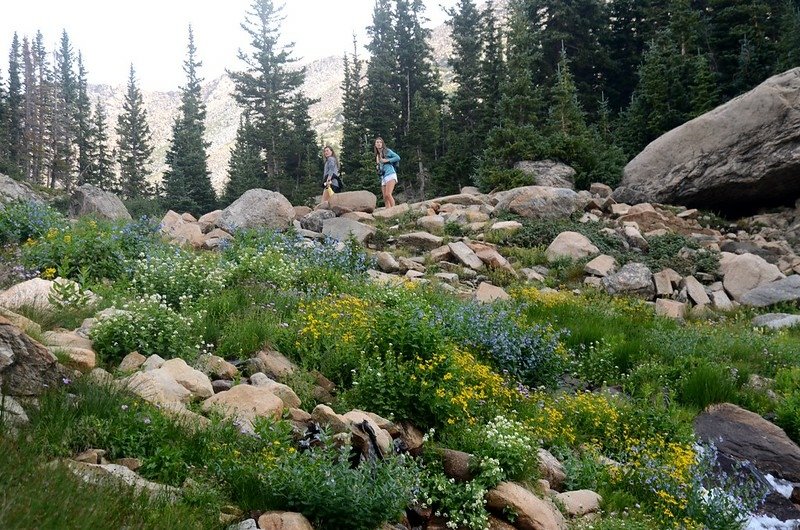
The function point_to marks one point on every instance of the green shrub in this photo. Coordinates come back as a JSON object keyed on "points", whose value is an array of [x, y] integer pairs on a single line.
{"points": [[787, 415], [322, 485], [21, 221], [181, 278], [101, 249], [149, 326], [507, 441]]}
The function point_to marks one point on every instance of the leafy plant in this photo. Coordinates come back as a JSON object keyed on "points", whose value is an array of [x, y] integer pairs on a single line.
{"points": [[149, 326]]}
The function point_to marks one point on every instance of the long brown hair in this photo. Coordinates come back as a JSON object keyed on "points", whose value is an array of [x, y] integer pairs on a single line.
{"points": [[333, 154], [382, 151]]}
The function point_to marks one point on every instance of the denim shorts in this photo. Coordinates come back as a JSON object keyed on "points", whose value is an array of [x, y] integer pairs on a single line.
{"points": [[386, 178]]}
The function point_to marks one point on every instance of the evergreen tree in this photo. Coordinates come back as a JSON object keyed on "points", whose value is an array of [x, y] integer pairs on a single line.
{"points": [[420, 97], [134, 143], [187, 182], [304, 163], [521, 103], [492, 70], [16, 108], [566, 115], [382, 108], [630, 28], [704, 93], [576, 26], [660, 101], [465, 120], [100, 171], [65, 98], [789, 44], [83, 124], [39, 111], [246, 166], [265, 88], [743, 38], [355, 144], [5, 156]]}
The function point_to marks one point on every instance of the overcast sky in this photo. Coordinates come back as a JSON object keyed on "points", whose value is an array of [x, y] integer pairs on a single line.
{"points": [[152, 34]]}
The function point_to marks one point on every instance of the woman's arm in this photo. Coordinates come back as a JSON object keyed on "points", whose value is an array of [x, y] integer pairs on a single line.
{"points": [[391, 156]]}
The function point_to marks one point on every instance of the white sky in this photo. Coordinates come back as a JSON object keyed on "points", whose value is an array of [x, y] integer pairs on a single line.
{"points": [[152, 34]]}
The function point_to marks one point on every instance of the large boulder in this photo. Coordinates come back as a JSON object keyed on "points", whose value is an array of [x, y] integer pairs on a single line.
{"points": [[353, 201], [532, 513], [88, 199], [744, 435], [257, 208], [783, 290], [26, 367], [313, 221], [539, 202], [11, 190], [742, 273], [738, 157], [570, 245], [633, 279], [548, 173], [341, 229]]}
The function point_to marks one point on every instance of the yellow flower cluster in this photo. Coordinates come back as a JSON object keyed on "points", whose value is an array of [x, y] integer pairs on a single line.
{"points": [[49, 273], [463, 385], [336, 317], [546, 299]]}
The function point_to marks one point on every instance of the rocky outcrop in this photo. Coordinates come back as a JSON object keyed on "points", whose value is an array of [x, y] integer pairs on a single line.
{"points": [[548, 173], [538, 202], [745, 435], [11, 190], [26, 367], [257, 208], [740, 156], [90, 200]]}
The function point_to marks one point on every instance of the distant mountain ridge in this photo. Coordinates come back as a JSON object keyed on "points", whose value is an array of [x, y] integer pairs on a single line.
{"points": [[323, 81]]}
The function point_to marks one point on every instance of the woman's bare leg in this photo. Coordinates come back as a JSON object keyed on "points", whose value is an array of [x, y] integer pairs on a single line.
{"points": [[388, 188]]}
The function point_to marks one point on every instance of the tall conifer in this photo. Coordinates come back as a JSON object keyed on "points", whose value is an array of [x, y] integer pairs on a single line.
{"points": [[246, 165], [264, 89], [16, 109], [83, 124], [134, 146], [187, 182]]}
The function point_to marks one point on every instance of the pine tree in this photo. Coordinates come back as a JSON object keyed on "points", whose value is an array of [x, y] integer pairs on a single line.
{"points": [[382, 104], [660, 101], [133, 146], [789, 44], [575, 26], [39, 112], [304, 162], [466, 117], [630, 28], [522, 102], [246, 166], [354, 140], [100, 171], [187, 182], [566, 116], [16, 109], [743, 39], [5, 156], [420, 97], [492, 70], [265, 88], [65, 97], [83, 124], [704, 91]]}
